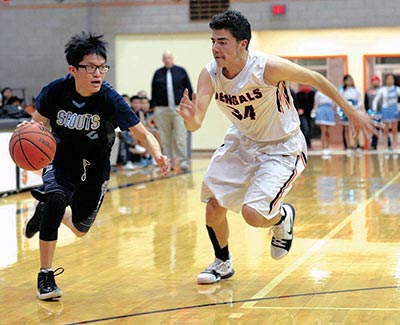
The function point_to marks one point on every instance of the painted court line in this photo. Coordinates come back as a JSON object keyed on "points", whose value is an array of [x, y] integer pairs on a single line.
{"points": [[316, 247], [330, 308], [234, 302]]}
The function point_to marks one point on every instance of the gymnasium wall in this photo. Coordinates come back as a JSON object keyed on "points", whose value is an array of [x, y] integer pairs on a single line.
{"points": [[34, 33], [137, 57]]}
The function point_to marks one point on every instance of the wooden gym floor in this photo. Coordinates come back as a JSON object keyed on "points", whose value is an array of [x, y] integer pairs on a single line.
{"points": [[139, 262]]}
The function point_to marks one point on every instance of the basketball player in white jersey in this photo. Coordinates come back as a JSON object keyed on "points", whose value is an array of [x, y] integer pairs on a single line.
{"points": [[264, 150]]}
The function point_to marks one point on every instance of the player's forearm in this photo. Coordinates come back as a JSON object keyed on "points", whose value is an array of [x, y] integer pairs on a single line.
{"points": [[193, 125], [152, 145], [146, 139]]}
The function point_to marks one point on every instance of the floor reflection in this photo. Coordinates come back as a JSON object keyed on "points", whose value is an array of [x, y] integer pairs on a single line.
{"points": [[149, 242]]}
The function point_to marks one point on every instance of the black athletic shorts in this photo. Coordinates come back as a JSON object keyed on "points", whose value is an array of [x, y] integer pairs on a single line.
{"points": [[84, 192]]}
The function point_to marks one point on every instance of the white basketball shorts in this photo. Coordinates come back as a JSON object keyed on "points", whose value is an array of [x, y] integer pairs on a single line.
{"points": [[258, 174]]}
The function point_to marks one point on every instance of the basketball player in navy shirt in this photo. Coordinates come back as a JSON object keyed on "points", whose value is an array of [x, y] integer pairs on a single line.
{"points": [[82, 110]]}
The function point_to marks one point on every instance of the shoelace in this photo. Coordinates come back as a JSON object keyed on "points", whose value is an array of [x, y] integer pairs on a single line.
{"points": [[218, 266], [212, 266], [279, 242], [48, 279], [280, 231], [58, 271]]}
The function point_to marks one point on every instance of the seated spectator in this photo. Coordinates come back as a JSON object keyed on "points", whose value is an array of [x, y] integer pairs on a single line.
{"points": [[126, 98], [149, 122], [136, 104], [6, 93], [13, 108], [142, 93], [130, 152]]}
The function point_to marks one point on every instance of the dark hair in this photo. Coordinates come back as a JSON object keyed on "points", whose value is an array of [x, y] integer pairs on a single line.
{"points": [[390, 74], [134, 97], [5, 89], [235, 22], [83, 44], [13, 99], [345, 77]]}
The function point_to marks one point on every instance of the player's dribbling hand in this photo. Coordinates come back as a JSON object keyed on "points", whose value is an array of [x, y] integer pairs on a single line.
{"points": [[164, 165], [24, 122]]}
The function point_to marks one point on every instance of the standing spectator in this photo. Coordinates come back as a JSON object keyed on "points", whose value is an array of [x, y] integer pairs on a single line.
{"points": [[368, 100], [325, 119], [167, 88], [78, 176], [305, 102], [353, 96], [389, 94]]}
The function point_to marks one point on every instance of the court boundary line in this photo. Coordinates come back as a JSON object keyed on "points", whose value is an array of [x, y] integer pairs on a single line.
{"points": [[115, 188], [330, 308], [166, 310], [145, 181]]}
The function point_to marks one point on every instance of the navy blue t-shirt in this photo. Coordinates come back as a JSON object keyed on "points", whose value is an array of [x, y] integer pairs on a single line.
{"points": [[84, 126]]}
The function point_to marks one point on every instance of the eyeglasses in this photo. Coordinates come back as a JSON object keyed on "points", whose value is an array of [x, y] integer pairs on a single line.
{"points": [[91, 68]]}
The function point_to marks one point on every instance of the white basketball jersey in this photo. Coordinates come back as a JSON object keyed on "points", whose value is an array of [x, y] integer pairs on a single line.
{"points": [[260, 111]]}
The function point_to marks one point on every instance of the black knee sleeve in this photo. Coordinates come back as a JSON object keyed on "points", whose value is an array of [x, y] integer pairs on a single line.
{"points": [[53, 212]]}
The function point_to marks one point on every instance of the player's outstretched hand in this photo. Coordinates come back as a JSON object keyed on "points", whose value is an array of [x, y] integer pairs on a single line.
{"points": [[164, 165], [364, 122], [187, 107]]}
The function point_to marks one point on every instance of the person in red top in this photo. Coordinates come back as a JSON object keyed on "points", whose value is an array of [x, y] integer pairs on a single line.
{"points": [[368, 99]]}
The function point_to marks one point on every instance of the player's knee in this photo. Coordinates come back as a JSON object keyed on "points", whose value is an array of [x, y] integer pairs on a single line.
{"points": [[250, 216], [80, 233], [214, 212], [254, 218], [52, 215], [84, 226]]}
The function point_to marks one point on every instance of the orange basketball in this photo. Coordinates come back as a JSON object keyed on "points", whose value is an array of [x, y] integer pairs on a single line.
{"points": [[32, 146]]}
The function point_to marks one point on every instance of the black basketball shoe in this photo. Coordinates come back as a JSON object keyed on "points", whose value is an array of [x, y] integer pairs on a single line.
{"points": [[46, 285], [32, 224]]}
